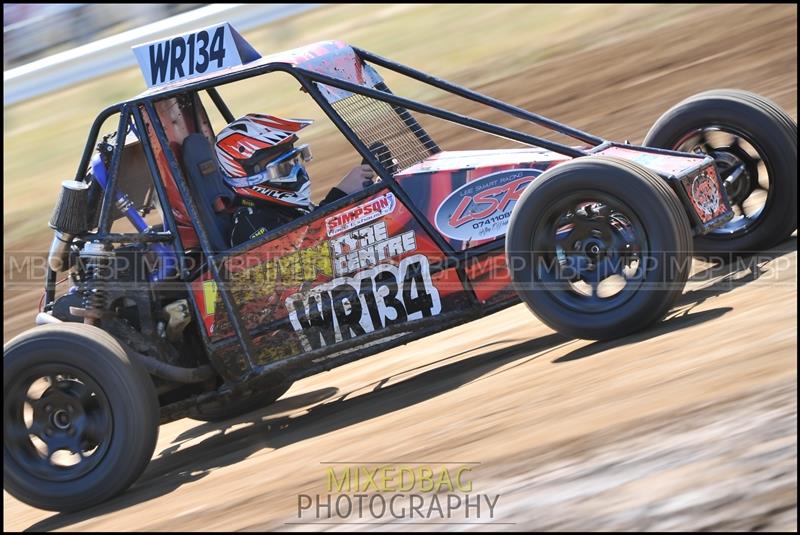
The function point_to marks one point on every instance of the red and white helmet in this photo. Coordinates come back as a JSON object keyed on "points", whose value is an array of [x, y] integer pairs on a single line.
{"points": [[246, 145]]}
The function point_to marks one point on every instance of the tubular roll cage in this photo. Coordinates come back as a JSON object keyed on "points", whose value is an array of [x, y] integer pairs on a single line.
{"points": [[131, 113]]}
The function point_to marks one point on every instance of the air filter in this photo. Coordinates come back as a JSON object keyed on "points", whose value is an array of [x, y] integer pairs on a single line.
{"points": [[70, 214]]}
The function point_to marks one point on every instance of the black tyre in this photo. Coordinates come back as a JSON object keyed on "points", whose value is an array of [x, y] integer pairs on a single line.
{"points": [[754, 144], [80, 420], [599, 247], [220, 411]]}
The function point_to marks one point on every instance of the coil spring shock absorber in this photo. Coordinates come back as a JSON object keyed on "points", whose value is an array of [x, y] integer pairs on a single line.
{"points": [[97, 263]]}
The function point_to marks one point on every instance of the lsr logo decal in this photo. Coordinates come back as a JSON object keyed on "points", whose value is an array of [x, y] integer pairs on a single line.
{"points": [[482, 208], [358, 215], [348, 307]]}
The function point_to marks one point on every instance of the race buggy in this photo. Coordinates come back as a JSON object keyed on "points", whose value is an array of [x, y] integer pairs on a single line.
{"points": [[166, 319]]}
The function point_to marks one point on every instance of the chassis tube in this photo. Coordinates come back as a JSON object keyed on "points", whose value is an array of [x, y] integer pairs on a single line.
{"points": [[453, 117], [220, 104], [111, 178], [478, 97], [387, 179], [167, 267], [170, 224], [212, 256]]}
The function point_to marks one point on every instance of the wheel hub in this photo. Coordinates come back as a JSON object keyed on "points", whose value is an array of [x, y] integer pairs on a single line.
{"points": [[60, 419], [58, 414], [736, 174], [597, 247], [594, 248], [738, 161], [68, 428]]}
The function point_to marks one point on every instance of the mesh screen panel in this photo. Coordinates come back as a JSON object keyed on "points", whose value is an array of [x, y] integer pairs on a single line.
{"points": [[390, 132]]}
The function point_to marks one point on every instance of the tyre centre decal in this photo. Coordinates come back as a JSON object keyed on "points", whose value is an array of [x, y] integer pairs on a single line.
{"points": [[481, 209], [348, 307], [367, 247]]}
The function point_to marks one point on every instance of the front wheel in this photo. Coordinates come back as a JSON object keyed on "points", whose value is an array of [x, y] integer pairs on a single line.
{"points": [[754, 145], [80, 420], [599, 247]]}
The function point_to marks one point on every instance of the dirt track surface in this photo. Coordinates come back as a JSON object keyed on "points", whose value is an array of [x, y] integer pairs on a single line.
{"points": [[689, 425]]}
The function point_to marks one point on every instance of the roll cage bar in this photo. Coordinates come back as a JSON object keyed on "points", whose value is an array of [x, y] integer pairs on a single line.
{"points": [[131, 114]]}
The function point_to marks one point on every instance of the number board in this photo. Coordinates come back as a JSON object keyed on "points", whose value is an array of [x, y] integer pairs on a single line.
{"points": [[193, 54]]}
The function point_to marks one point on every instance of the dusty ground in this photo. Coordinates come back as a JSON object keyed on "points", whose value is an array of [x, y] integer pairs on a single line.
{"points": [[690, 425]]}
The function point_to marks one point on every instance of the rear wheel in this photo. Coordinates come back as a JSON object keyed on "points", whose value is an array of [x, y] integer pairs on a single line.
{"points": [[80, 419], [599, 247], [754, 145]]}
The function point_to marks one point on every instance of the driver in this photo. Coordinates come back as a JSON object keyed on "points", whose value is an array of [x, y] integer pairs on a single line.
{"points": [[261, 164]]}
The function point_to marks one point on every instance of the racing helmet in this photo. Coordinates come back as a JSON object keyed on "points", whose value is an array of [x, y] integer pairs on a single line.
{"points": [[259, 160]]}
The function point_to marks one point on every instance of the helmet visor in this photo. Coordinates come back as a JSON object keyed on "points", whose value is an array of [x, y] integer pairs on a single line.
{"points": [[283, 170], [286, 167]]}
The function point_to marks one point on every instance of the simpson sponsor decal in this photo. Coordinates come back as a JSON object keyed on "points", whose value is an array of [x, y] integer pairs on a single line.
{"points": [[367, 247], [347, 307], [361, 214], [480, 209]]}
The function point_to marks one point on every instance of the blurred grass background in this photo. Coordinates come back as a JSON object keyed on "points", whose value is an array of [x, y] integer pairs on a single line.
{"points": [[470, 44]]}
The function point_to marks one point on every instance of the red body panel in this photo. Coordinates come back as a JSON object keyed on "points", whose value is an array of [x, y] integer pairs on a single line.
{"points": [[178, 123], [491, 280], [469, 195], [371, 264], [355, 271]]}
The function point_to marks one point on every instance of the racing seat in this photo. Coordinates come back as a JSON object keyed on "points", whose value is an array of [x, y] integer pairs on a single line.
{"points": [[211, 195]]}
